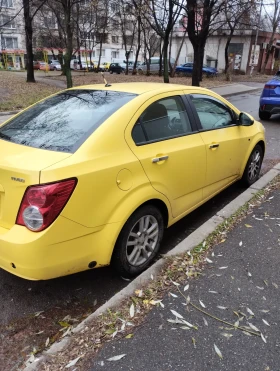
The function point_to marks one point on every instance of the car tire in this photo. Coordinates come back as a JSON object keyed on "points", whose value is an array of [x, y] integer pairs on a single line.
{"points": [[263, 115], [138, 242], [253, 166]]}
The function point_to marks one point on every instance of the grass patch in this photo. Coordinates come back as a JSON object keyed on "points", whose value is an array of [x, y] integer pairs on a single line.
{"points": [[16, 94]]}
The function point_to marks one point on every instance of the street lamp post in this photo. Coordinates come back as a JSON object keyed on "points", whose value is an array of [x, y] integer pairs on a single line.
{"points": [[256, 40]]}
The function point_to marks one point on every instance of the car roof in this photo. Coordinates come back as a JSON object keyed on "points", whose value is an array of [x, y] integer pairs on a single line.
{"points": [[138, 87]]}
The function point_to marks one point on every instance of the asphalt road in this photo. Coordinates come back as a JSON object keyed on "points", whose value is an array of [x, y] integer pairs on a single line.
{"points": [[20, 298]]}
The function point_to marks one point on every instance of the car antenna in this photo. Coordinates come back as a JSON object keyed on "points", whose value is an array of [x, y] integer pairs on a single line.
{"points": [[105, 81]]}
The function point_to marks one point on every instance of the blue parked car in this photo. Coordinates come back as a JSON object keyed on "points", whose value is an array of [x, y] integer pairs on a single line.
{"points": [[187, 70], [270, 98]]}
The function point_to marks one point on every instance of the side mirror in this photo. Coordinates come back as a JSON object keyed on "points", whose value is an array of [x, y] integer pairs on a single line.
{"points": [[245, 119]]}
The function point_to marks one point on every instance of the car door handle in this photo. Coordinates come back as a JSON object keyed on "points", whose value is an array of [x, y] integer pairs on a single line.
{"points": [[214, 146], [158, 159]]}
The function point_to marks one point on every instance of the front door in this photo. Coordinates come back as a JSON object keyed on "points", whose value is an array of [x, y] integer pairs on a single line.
{"points": [[222, 137]]}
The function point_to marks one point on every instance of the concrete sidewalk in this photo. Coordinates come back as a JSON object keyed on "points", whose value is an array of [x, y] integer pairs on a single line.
{"points": [[240, 282]]}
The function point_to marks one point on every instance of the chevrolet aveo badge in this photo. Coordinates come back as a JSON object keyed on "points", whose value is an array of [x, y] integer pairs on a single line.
{"points": [[18, 179]]}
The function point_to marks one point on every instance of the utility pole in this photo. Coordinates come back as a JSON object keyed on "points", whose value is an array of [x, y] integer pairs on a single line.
{"points": [[256, 39]]}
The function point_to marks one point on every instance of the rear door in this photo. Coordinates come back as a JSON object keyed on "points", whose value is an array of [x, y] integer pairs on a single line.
{"points": [[170, 150]]}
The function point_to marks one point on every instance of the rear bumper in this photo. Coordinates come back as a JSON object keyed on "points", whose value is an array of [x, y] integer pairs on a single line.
{"points": [[64, 248], [269, 105]]}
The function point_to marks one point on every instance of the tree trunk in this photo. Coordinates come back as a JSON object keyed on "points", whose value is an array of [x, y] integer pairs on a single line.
{"points": [[100, 52], [28, 37], [165, 59], [178, 54], [69, 43], [196, 66], [134, 72]]}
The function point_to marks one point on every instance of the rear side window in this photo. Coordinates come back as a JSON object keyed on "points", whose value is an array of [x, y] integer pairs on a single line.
{"points": [[163, 119], [63, 122]]}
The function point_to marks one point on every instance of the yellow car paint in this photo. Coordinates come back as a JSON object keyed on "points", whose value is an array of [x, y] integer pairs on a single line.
{"points": [[115, 177]]}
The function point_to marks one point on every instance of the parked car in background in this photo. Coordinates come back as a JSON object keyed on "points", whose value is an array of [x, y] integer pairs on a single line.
{"points": [[93, 175], [154, 65], [187, 69], [38, 65], [116, 68], [55, 65], [44, 66], [270, 98]]}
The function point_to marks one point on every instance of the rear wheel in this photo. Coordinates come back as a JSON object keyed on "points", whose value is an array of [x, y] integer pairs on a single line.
{"points": [[263, 115], [253, 167], [139, 241]]}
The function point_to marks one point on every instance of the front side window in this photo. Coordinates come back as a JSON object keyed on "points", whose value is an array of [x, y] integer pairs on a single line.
{"points": [[163, 119], [63, 122], [212, 113]]}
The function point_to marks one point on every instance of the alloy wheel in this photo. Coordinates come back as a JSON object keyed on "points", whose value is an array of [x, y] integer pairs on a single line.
{"points": [[142, 240]]}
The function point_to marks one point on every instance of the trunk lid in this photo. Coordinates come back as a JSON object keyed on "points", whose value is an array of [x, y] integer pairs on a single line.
{"points": [[20, 167]]}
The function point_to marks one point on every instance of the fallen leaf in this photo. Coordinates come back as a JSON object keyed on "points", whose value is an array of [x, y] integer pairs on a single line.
{"points": [[202, 304], [186, 287], [189, 324], [240, 243], [253, 327], [265, 322], [205, 322], [129, 336], [275, 285], [38, 313], [208, 260], [213, 292], [139, 293], [175, 283], [185, 328], [222, 241], [250, 312], [132, 310], [223, 267], [264, 310], [225, 334], [263, 338], [220, 307], [47, 342], [217, 350], [249, 274], [116, 358], [174, 295], [72, 363], [248, 226], [176, 314], [152, 277], [260, 288], [39, 332]]}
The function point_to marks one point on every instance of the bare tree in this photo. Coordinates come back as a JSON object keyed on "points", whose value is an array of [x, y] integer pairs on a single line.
{"points": [[202, 18], [274, 19], [162, 18], [237, 15], [30, 9]]}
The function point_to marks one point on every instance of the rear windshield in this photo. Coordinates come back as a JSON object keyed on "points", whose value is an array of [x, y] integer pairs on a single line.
{"points": [[63, 122]]}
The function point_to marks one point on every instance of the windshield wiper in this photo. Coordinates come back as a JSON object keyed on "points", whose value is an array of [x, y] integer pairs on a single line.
{"points": [[4, 136]]}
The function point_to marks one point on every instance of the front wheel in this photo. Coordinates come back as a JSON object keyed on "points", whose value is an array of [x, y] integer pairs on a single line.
{"points": [[138, 242], [263, 115], [253, 167]]}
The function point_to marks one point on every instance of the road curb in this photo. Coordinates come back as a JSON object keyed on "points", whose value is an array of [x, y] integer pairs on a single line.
{"points": [[227, 95], [194, 239]]}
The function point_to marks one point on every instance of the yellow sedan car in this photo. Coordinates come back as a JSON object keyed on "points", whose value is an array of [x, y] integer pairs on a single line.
{"points": [[93, 175]]}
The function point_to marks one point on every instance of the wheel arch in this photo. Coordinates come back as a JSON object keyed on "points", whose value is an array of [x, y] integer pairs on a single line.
{"points": [[262, 144]]}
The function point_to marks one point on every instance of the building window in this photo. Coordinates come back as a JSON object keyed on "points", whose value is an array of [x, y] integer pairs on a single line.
{"points": [[87, 35], [115, 39], [97, 53], [7, 21], [6, 3], [115, 54], [115, 24], [49, 22], [9, 42], [102, 38]]}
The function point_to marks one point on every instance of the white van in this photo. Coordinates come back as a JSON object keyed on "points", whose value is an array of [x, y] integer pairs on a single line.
{"points": [[154, 64]]}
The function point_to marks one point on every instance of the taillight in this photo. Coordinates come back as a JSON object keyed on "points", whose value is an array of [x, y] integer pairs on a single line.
{"points": [[271, 87], [42, 204]]}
